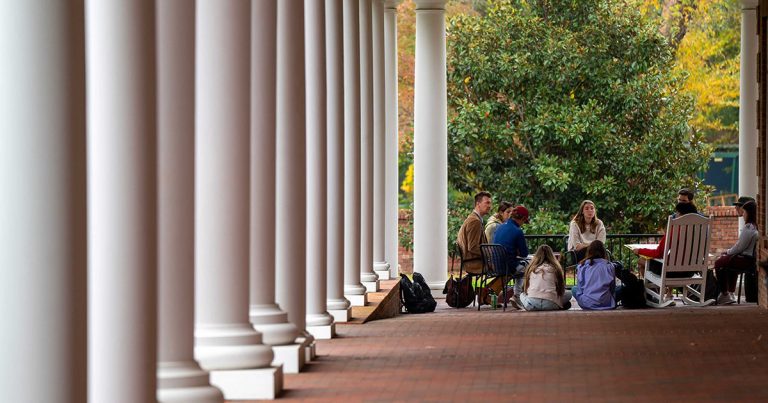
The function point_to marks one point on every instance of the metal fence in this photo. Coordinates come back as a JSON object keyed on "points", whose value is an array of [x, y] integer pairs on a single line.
{"points": [[614, 243]]}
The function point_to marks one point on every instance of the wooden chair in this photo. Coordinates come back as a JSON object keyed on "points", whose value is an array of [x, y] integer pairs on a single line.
{"points": [[685, 250]]}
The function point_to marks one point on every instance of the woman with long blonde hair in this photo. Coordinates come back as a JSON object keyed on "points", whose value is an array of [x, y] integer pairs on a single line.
{"points": [[544, 283]]}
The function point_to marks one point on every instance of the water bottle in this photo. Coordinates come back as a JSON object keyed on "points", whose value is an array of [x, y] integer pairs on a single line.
{"points": [[494, 299]]}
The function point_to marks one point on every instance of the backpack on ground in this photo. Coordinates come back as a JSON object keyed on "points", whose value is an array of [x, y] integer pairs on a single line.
{"points": [[459, 292], [415, 295], [632, 295]]}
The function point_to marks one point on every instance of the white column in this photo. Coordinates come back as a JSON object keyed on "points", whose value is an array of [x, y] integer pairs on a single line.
{"points": [[367, 275], [748, 100], [337, 305], [380, 265], [179, 377], [391, 168], [122, 242], [319, 322], [291, 166], [225, 342], [430, 148], [43, 203], [353, 290], [265, 315]]}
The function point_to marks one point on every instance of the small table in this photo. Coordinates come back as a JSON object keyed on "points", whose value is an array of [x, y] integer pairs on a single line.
{"points": [[636, 246]]}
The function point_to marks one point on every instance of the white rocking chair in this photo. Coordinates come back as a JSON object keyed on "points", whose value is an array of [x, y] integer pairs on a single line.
{"points": [[685, 250]]}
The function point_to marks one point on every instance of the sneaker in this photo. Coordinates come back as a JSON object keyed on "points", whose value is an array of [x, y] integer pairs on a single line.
{"points": [[515, 303], [725, 298]]}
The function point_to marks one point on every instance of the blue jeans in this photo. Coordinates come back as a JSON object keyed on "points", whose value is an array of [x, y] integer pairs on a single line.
{"points": [[540, 304]]}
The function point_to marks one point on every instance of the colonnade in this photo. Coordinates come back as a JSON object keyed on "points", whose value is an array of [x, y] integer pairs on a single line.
{"points": [[195, 191]]}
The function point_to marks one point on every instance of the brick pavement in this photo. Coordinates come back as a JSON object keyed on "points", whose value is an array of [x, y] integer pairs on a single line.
{"points": [[683, 354]]}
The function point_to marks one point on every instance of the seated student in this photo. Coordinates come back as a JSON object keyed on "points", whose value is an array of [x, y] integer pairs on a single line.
{"points": [[681, 209], [739, 257], [505, 209], [510, 235], [471, 234], [585, 228], [596, 277], [544, 284]]}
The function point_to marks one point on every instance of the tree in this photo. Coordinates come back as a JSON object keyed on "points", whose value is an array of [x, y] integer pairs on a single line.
{"points": [[705, 36], [556, 101]]}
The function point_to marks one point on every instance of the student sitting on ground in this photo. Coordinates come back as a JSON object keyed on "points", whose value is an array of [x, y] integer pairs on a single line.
{"points": [[596, 277], [544, 284]]}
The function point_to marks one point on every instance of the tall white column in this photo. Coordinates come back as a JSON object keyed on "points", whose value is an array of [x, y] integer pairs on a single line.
{"points": [[338, 306], [748, 100], [43, 203], [353, 290], [430, 148], [367, 275], [265, 315], [391, 168], [179, 377], [291, 165], [122, 221], [380, 265], [319, 322], [225, 342]]}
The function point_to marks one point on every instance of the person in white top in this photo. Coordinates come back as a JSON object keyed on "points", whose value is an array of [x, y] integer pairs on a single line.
{"points": [[505, 210], [585, 228], [544, 283]]}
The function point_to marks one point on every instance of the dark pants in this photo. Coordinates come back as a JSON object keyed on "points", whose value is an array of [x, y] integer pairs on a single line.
{"points": [[655, 267], [728, 268]]}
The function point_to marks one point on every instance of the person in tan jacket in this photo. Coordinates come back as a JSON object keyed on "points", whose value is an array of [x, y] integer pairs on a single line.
{"points": [[471, 234]]}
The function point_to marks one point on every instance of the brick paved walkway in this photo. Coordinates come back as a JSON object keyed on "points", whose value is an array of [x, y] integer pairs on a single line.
{"points": [[683, 354]]}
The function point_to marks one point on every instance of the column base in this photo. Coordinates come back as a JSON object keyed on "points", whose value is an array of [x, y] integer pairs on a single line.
{"points": [[249, 384], [290, 356], [368, 277], [325, 332], [382, 270], [309, 352], [341, 315], [383, 275], [357, 300], [195, 394], [181, 382], [371, 286], [277, 333]]}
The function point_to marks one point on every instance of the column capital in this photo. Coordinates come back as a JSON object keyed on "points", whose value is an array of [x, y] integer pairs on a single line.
{"points": [[430, 4], [749, 4]]}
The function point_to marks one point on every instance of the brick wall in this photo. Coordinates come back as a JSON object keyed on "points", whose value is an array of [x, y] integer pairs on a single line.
{"points": [[762, 178], [724, 228]]}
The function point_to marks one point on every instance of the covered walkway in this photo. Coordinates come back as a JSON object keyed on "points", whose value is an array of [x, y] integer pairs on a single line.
{"points": [[683, 354]]}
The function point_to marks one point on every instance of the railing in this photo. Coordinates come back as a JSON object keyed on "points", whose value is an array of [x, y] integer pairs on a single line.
{"points": [[614, 243]]}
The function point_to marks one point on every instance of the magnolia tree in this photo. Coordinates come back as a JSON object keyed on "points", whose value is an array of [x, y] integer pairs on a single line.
{"points": [[556, 101]]}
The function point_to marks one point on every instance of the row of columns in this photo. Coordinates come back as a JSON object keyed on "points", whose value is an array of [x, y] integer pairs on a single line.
{"points": [[222, 225]]}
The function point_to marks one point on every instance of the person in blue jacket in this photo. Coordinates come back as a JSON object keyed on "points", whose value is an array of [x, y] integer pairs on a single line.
{"points": [[510, 235], [596, 280]]}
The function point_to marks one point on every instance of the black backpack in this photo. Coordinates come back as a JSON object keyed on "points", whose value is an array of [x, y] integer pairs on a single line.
{"points": [[632, 295], [415, 295]]}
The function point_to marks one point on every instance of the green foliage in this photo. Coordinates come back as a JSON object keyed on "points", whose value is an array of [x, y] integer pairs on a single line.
{"points": [[556, 101]]}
